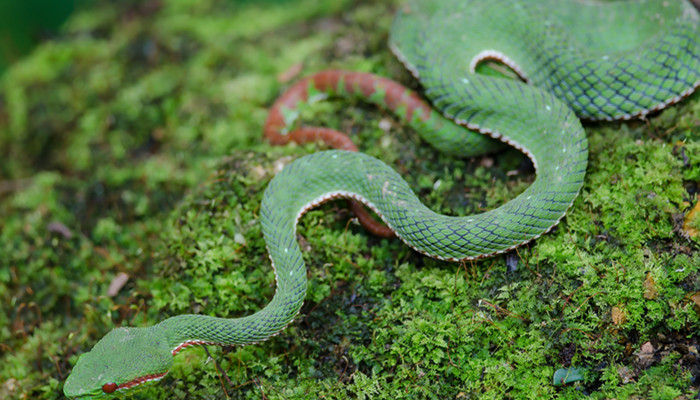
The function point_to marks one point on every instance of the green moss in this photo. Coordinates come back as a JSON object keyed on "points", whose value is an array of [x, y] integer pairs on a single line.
{"points": [[132, 144]]}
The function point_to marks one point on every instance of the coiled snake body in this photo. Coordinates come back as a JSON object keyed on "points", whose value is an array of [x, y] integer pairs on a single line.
{"points": [[597, 60]]}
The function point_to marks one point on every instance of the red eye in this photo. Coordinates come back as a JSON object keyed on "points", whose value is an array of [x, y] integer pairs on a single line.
{"points": [[109, 387]]}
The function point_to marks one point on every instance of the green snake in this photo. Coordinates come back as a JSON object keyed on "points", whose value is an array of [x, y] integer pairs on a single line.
{"points": [[598, 60]]}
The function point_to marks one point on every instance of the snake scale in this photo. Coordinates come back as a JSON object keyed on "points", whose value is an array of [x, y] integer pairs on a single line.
{"points": [[598, 60]]}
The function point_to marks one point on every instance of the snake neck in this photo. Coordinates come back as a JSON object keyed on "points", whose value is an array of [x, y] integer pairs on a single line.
{"points": [[279, 228], [184, 331]]}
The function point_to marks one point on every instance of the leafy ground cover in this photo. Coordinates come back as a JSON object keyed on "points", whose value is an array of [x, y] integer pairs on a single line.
{"points": [[131, 148]]}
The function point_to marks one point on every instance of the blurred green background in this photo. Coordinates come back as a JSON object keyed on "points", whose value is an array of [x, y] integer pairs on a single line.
{"points": [[25, 23]]}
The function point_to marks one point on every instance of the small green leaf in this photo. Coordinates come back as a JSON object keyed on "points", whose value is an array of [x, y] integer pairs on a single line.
{"points": [[563, 376]]}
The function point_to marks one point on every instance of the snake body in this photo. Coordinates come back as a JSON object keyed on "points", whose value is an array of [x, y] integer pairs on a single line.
{"points": [[570, 68]]}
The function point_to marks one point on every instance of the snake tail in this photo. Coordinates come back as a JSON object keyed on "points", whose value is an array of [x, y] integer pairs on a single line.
{"points": [[442, 133], [385, 93]]}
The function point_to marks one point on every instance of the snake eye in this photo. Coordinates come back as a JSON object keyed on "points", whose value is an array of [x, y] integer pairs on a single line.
{"points": [[109, 387]]}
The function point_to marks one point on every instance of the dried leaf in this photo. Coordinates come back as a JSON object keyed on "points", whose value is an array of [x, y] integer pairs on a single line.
{"points": [[650, 291], [117, 284], [59, 227], [695, 297], [626, 375], [646, 349], [645, 355], [619, 316], [692, 220]]}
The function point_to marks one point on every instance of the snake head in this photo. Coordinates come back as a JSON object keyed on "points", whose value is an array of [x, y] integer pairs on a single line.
{"points": [[124, 359]]}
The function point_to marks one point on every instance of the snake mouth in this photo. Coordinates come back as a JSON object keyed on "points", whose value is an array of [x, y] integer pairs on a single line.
{"points": [[101, 393], [140, 381]]}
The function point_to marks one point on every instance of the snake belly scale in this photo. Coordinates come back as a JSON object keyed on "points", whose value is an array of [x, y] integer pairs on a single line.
{"points": [[638, 57]]}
